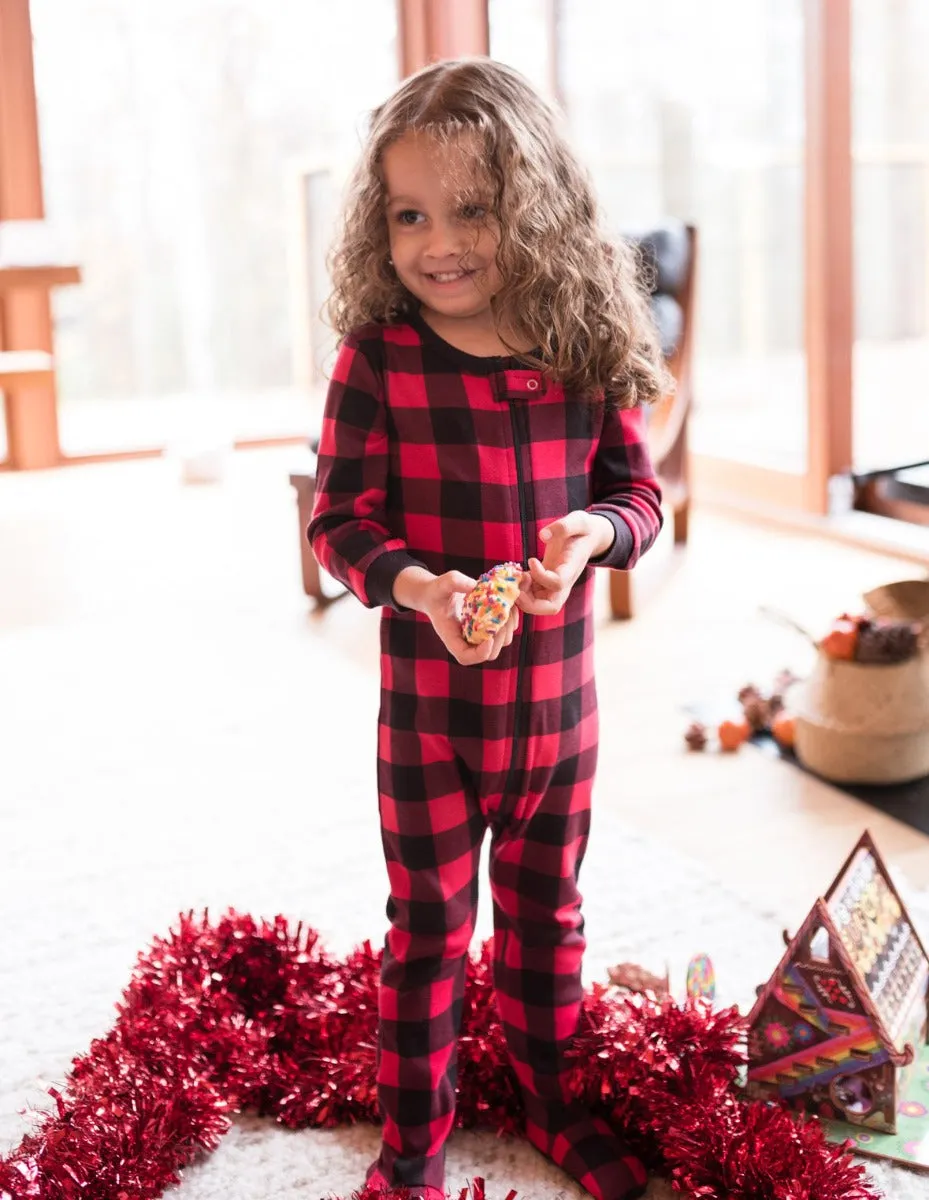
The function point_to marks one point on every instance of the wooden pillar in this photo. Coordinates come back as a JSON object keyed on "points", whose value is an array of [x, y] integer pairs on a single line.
{"points": [[434, 29], [829, 247], [25, 314]]}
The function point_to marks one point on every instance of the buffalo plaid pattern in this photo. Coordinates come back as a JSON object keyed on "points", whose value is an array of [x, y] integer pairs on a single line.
{"points": [[430, 456]]}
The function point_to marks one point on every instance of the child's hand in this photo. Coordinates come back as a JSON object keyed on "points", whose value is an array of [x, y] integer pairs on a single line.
{"points": [[440, 597], [569, 545]]}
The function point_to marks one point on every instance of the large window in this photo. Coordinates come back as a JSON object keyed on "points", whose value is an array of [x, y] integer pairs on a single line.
{"points": [[696, 111], [172, 138], [890, 115], [523, 35]]}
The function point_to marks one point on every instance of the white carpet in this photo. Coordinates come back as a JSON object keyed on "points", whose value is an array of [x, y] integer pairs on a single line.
{"points": [[199, 791]]}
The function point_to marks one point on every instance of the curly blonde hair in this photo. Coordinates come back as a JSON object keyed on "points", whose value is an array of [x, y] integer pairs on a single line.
{"points": [[566, 289]]}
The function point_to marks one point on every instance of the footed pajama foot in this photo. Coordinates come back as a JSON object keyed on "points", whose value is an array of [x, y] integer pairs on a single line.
{"points": [[378, 1187], [586, 1148]]}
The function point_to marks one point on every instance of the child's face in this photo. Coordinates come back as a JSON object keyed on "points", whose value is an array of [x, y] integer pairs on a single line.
{"points": [[443, 246]]}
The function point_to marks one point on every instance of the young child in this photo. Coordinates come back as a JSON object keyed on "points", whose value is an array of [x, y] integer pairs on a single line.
{"points": [[485, 407]]}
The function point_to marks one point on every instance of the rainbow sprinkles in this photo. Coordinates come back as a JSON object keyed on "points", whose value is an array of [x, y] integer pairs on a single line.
{"points": [[487, 606]]}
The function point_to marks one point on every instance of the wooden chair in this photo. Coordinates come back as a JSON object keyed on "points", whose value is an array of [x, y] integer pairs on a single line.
{"points": [[667, 431], [28, 272]]}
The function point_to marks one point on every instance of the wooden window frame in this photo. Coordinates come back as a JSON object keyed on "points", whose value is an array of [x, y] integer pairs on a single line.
{"points": [[828, 290], [434, 29], [31, 409]]}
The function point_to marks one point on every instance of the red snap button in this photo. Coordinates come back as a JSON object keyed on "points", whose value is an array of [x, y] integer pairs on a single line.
{"points": [[532, 385]]}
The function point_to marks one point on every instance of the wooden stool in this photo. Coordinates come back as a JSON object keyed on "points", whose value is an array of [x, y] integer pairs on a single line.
{"points": [[317, 584], [667, 433]]}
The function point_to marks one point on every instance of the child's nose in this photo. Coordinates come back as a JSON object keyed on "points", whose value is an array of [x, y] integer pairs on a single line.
{"points": [[445, 238]]}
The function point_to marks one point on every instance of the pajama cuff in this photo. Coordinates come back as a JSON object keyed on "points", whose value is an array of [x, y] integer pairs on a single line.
{"points": [[380, 577], [623, 546]]}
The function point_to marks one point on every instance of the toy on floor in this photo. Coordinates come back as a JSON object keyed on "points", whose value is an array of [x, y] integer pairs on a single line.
{"points": [[839, 1031], [630, 977], [700, 979], [487, 607], [761, 712]]}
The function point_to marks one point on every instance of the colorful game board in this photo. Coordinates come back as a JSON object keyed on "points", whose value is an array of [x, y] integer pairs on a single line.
{"points": [[910, 1144]]}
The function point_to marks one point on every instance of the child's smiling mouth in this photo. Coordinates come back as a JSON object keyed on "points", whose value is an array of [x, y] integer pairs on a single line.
{"points": [[445, 278]]}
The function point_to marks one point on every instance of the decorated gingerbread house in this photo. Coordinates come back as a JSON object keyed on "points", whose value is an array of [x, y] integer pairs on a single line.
{"points": [[844, 1016]]}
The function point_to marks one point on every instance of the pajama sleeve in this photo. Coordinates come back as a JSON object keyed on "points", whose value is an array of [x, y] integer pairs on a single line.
{"points": [[349, 532], [625, 489]]}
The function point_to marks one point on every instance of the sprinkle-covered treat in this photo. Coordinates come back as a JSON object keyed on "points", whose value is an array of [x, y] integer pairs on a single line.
{"points": [[487, 607]]}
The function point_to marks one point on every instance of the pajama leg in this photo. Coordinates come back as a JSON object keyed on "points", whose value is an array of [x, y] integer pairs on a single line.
{"points": [[538, 948], [432, 829]]}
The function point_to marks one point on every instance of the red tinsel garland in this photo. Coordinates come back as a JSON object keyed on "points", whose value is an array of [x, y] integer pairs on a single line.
{"points": [[247, 1015]]}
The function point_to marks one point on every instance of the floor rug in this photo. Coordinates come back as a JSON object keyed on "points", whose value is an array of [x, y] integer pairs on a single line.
{"points": [[191, 809], [906, 802]]}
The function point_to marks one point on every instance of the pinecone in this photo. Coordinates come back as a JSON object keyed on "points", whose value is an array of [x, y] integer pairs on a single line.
{"points": [[696, 736], [887, 642], [633, 978], [757, 712]]}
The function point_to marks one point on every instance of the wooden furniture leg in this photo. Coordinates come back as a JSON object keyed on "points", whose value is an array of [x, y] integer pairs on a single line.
{"points": [[318, 587], [681, 520], [621, 595]]}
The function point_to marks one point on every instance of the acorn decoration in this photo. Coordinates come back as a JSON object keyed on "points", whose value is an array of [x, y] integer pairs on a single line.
{"points": [[762, 713], [696, 736]]}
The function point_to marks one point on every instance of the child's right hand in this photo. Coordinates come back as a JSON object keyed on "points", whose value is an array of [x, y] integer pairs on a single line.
{"points": [[439, 597]]}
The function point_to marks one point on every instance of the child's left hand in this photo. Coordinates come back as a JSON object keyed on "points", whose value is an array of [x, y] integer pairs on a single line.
{"points": [[570, 543]]}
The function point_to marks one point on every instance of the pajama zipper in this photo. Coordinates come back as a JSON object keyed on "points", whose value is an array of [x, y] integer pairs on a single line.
{"points": [[518, 707]]}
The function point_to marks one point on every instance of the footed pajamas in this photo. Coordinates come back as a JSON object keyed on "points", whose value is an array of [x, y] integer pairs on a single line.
{"points": [[431, 456]]}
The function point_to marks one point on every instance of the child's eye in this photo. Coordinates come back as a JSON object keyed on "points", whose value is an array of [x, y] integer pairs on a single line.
{"points": [[473, 212], [408, 216]]}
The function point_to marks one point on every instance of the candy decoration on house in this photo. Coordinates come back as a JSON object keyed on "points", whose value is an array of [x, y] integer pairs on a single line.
{"points": [[840, 1029]]}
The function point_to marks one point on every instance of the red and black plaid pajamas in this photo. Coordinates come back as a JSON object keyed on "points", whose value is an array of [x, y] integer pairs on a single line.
{"points": [[430, 456]]}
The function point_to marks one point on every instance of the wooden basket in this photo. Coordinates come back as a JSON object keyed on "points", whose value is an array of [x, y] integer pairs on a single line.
{"points": [[864, 722]]}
